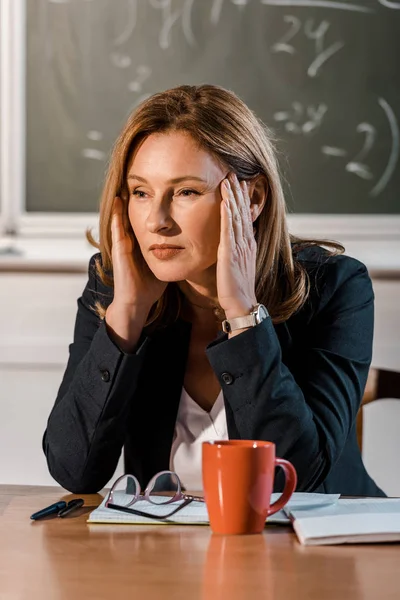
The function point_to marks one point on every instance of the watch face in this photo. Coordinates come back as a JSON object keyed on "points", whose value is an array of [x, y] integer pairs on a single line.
{"points": [[262, 313]]}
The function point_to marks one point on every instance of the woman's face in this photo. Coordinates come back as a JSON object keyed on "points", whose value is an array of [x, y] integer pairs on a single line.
{"points": [[174, 199]]}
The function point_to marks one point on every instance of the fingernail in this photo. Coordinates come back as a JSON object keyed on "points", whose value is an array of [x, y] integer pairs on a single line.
{"points": [[227, 184]]}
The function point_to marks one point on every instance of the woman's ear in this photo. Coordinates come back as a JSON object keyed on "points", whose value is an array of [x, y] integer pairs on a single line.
{"points": [[258, 193]]}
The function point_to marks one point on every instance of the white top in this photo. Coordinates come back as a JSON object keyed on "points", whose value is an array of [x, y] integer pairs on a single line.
{"points": [[194, 426]]}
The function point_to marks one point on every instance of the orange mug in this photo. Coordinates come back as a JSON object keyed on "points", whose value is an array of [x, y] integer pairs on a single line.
{"points": [[238, 478]]}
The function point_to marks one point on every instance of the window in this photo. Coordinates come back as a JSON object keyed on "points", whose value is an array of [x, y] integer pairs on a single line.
{"points": [[29, 200]]}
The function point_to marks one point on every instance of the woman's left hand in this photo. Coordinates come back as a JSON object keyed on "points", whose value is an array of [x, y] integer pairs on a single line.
{"points": [[236, 262]]}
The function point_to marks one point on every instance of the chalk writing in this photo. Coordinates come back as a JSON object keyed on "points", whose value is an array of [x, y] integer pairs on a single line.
{"points": [[314, 34], [390, 4], [121, 61], [320, 4], [130, 23], [143, 72], [94, 135], [394, 151], [94, 153], [291, 119], [170, 17], [357, 165], [216, 9]]}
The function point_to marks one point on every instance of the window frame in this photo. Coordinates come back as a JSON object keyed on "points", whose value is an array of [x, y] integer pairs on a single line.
{"points": [[16, 221]]}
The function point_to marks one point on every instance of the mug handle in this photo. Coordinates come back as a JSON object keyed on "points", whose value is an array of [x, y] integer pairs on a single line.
{"points": [[290, 485]]}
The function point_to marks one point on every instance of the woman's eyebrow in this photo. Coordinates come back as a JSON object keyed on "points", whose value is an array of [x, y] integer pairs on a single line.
{"points": [[176, 180]]}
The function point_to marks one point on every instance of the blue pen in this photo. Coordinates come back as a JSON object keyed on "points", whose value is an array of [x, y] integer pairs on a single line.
{"points": [[49, 510]]}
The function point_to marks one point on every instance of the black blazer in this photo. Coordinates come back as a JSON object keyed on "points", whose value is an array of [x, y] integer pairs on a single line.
{"points": [[298, 384]]}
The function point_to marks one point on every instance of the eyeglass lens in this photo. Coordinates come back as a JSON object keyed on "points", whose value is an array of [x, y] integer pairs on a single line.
{"points": [[125, 491], [163, 487]]}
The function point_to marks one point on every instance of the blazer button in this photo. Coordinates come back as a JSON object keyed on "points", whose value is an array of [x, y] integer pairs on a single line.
{"points": [[227, 378], [105, 375]]}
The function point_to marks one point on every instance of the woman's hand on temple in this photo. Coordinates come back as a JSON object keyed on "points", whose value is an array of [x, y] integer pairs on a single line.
{"points": [[136, 288], [236, 262], [134, 283]]}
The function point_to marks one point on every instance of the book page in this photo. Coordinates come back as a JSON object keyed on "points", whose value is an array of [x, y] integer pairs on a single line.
{"points": [[193, 513], [349, 506]]}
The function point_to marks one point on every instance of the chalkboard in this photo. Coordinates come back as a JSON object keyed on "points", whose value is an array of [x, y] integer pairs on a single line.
{"points": [[322, 74]]}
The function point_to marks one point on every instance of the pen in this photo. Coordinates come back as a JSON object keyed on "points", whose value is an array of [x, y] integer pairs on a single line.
{"points": [[72, 505], [49, 510]]}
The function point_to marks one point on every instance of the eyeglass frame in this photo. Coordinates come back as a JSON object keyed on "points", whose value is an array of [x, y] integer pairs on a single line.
{"points": [[179, 495]]}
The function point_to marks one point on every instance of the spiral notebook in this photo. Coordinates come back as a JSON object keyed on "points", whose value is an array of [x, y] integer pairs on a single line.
{"points": [[196, 512]]}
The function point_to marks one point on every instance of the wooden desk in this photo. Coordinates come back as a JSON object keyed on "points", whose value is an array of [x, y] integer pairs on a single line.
{"points": [[67, 559]]}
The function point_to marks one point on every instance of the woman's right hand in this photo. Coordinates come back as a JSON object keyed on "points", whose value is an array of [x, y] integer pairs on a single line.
{"points": [[136, 288]]}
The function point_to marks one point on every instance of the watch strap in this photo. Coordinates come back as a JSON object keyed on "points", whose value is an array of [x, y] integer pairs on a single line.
{"points": [[239, 322]]}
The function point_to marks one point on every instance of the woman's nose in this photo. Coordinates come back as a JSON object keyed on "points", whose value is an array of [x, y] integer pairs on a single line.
{"points": [[159, 217]]}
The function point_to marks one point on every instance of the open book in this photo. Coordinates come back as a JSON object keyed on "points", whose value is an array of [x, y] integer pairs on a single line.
{"points": [[362, 520], [196, 512]]}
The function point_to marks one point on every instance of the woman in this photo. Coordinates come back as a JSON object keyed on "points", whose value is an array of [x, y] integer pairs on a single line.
{"points": [[203, 318]]}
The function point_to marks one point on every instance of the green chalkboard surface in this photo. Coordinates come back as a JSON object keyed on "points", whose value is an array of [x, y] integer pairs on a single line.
{"points": [[324, 75]]}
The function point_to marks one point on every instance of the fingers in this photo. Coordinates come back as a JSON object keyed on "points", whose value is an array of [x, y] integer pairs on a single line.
{"points": [[235, 202], [117, 222], [227, 233], [246, 212], [238, 215]]}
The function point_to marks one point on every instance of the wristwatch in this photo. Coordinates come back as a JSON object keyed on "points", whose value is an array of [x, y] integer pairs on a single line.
{"points": [[258, 314]]}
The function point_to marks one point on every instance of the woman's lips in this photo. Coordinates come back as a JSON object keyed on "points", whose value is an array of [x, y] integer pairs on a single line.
{"points": [[166, 253]]}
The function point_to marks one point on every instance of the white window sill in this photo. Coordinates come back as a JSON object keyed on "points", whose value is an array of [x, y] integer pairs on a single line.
{"points": [[31, 254]]}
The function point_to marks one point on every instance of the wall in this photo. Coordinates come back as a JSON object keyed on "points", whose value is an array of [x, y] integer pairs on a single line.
{"points": [[37, 315]]}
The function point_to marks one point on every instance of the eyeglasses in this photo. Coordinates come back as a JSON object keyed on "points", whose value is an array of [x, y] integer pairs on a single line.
{"points": [[164, 488]]}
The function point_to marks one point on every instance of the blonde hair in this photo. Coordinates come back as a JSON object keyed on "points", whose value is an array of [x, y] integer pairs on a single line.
{"points": [[223, 125]]}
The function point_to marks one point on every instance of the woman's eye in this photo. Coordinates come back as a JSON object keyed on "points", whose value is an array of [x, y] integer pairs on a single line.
{"points": [[138, 193], [185, 193], [188, 193]]}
